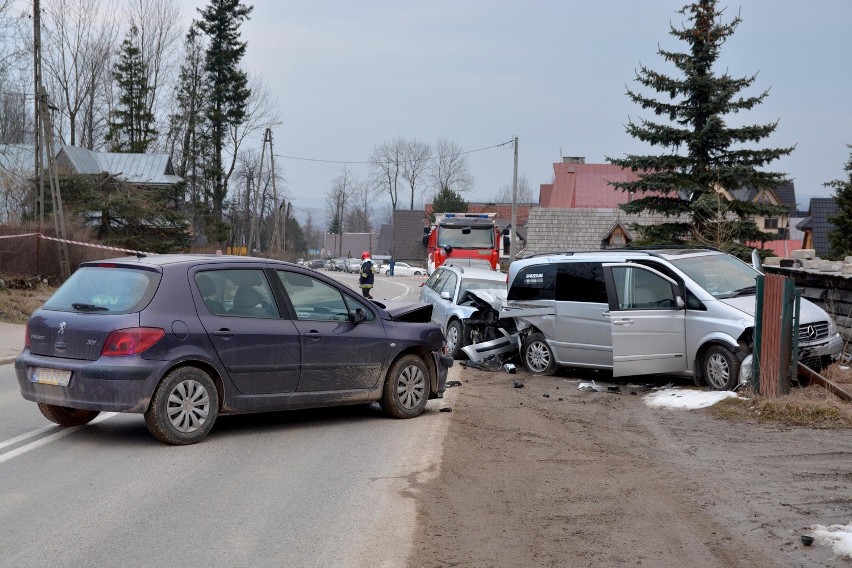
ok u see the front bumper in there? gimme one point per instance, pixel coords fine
(111, 384)
(831, 347)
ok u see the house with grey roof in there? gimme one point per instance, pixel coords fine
(557, 230)
(816, 225)
(138, 169)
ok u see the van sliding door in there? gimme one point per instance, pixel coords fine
(647, 321)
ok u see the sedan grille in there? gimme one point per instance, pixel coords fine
(810, 332)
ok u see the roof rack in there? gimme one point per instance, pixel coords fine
(647, 249)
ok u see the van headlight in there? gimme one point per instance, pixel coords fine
(832, 327)
(745, 370)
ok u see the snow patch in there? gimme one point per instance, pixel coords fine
(683, 398)
(839, 537)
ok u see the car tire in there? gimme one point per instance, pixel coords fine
(720, 368)
(537, 355)
(184, 407)
(418, 273)
(65, 416)
(455, 339)
(406, 389)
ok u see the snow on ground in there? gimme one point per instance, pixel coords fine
(839, 537)
(686, 398)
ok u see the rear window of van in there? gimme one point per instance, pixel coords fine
(534, 283)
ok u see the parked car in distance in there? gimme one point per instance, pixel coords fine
(678, 311)
(405, 269)
(339, 264)
(353, 265)
(316, 263)
(447, 290)
(329, 264)
(184, 338)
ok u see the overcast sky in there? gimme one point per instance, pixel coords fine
(351, 75)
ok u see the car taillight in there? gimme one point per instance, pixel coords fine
(131, 341)
(27, 335)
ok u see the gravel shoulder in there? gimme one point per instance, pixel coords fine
(581, 478)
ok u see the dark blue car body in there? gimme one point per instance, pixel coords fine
(268, 335)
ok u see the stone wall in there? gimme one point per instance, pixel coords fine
(826, 283)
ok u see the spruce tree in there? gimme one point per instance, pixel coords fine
(448, 200)
(131, 123)
(228, 85)
(189, 131)
(704, 155)
(841, 236)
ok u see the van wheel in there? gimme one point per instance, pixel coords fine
(184, 407)
(65, 416)
(537, 356)
(721, 368)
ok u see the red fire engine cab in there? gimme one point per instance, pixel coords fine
(459, 236)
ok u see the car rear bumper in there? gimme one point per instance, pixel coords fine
(114, 384)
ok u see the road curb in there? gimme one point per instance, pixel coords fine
(7, 360)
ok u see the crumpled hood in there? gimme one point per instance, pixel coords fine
(419, 312)
(808, 311)
(494, 298)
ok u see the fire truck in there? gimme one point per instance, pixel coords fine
(462, 236)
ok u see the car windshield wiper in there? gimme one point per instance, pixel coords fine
(89, 308)
(747, 291)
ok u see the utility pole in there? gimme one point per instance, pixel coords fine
(38, 194)
(512, 245)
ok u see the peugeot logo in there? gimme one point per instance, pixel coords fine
(62, 325)
(811, 331)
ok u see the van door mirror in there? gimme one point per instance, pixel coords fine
(445, 295)
(755, 261)
(680, 303)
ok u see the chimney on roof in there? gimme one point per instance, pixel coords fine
(573, 159)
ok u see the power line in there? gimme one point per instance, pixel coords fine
(370, 162)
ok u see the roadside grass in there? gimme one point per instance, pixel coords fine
(16, 304)
(810, 406)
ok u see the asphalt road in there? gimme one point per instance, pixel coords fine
(309, 488)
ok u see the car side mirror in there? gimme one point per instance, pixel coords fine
(360, 316)
(445, 295)
(679, 303)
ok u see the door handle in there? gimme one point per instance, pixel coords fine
(622, 322)
(313, 335)
(225, 333)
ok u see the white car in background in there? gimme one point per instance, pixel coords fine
(405, 269)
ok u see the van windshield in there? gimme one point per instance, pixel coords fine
(722, 275)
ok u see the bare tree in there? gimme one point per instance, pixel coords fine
(358, 217)
(525, 194)
(338, 197)
(261, 111)
(159, 25)
(15, 77)
(78, 42)
(450, 171)
(386, 169)
(416, 160)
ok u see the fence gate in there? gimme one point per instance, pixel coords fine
(776, 337)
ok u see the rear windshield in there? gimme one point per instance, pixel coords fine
(110, 290)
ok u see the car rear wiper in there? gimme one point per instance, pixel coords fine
(89, 308)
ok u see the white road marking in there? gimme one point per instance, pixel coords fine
(47, 439)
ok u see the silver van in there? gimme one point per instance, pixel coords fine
(638, 312)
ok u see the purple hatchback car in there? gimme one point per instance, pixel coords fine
(184, 338)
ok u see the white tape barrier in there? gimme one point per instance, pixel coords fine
(131, 251)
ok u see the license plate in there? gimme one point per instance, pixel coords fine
(57, 377)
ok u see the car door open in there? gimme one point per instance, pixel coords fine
(647, 321)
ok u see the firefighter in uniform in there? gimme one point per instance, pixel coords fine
(366, 277)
